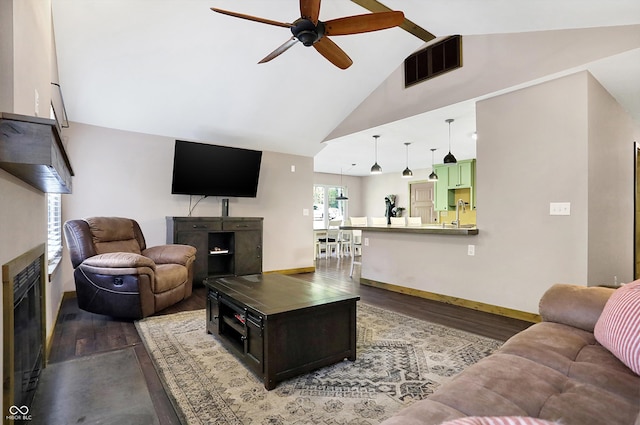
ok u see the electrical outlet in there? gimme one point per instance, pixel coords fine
(293, 168)
(305, 211)
(471, 250)
(560, 208)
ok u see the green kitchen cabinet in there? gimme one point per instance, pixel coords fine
(443, 196)
(462, 174)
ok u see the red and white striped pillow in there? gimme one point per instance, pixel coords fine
(498, 420)
(618, 328)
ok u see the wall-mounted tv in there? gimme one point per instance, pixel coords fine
(211, 170)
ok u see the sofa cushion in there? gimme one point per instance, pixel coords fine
(573, 305)
(498, 420)
(618, 328)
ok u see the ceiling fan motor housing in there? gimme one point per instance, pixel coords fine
(307, 32)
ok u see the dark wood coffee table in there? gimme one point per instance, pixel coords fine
(280, 326)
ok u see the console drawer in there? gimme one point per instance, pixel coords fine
(242, 225)
(199, 225)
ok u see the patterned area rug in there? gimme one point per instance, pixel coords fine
(399, 360)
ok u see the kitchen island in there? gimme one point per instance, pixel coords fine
(434, 262)
(433, 229)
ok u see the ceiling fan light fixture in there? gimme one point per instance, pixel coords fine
(376, 168)
(310, 31)
(449, 158)
(407, 173)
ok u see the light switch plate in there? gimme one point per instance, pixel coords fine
(560, 208)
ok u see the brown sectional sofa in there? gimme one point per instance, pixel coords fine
(554, 370)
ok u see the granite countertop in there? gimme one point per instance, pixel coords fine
(436, 229)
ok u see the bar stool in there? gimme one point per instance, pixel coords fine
(356, 241)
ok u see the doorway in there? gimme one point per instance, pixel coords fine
(421, 205)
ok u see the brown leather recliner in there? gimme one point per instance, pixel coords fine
(117, 275)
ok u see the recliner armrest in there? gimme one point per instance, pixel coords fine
(120, 260)
(574, 305)
(171, 254)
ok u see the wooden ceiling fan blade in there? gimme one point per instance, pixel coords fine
(310, 9)
(407, 25)
(363, 23)
(333, 53)
(280, 50)
(252, 18)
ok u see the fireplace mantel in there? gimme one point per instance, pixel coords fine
(31, 149)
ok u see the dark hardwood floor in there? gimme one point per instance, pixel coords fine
(78, 333)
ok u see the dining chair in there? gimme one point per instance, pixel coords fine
(345, 239)
(356, 247)
(356, 241)
(331, 240)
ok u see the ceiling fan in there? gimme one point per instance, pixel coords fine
(310, 31)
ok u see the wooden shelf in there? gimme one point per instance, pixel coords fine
(31, 149)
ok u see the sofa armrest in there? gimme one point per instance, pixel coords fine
(574, 305)
(171, 254)
(119, 260)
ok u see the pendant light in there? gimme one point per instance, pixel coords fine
(433, 177)
(407, 173)
(449, 158)
(376, 168)
(341, 197)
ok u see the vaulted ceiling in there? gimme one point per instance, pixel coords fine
(175, 68)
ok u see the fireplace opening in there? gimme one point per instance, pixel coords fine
(24, 328)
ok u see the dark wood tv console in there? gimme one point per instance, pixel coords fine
(226, 246)
(280, 326)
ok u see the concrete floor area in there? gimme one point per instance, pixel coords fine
(100, 389)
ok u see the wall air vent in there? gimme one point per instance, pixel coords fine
(433, 60)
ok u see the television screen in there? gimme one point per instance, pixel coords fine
(211, 170)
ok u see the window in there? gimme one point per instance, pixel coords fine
(325, 205)
(54, 228)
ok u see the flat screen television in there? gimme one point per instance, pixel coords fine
(212, 170)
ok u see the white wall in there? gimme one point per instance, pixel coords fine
(26, 64)
(353, 190)
(549, 54)
(126, 174)
(366, 194)
(534, 147)
(376, 187)
(611, 186)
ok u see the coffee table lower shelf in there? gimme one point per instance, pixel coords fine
(305, 327)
